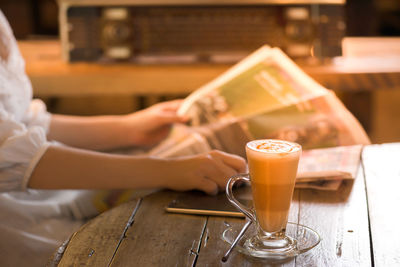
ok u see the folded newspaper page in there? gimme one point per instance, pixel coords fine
(266, 95)
(327, 168)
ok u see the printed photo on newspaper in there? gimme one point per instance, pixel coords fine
(266, 95)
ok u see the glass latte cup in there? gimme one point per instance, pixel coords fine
(272, 173)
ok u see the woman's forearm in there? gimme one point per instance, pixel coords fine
(97, 132)
(69, 168)
(143, 128)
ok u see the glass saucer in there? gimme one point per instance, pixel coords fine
(304, 238)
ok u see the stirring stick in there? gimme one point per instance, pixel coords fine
(226, 256)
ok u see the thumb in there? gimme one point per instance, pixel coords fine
(172, 117)
(208, 186)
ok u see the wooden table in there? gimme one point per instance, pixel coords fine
(358, 224)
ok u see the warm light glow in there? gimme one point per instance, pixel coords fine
(312, 53)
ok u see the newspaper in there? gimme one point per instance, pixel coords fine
(327, 168)
(266, 95)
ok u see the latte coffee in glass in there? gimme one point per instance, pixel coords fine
(273, 168)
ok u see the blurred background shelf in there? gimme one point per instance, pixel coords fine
(52, 77)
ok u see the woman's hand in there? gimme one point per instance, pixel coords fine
(208, 172)
(150, 126)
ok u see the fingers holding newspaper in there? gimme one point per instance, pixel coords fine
(208, 172)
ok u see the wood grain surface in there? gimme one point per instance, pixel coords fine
(157, 238)
(382, 175)
(95, 243)
(341, 219)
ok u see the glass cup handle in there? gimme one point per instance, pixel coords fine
(229, 193)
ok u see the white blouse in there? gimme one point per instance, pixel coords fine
(33, 223)
(23, 123)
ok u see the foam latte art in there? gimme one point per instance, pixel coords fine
(274, 146)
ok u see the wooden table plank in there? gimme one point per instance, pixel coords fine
(95, 242)
(158, 238)
(341, 219)
(213, 247)
(382, 175)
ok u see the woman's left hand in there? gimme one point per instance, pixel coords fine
(151, 125)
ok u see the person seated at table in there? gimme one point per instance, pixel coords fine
(43, 151)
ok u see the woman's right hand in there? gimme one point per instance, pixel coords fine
(208, 172)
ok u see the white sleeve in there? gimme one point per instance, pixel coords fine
(21, 147)
(37, 115)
